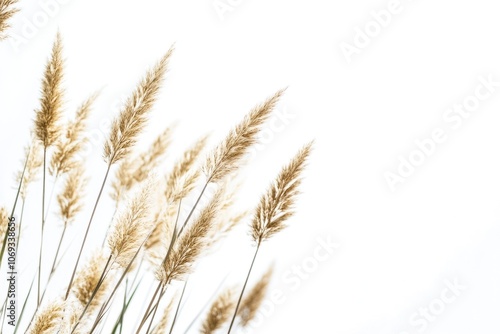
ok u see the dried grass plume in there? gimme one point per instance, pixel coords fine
(47, 119)
(220, 312)
(48, 319)
(191, 244)
(132, 119)
(7, 10)
(277, 204)
(131, 228)
(225, 157)
(253, 300)
(70, 200)
(86, 281)
(68, 146)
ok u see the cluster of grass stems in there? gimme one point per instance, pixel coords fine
(147, 232)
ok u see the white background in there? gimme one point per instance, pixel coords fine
(397, 248)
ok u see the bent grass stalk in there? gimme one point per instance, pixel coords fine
(274, 208)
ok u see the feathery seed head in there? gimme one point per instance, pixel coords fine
(6, 13)
(48, 116)
(48, 318)
(191, 244)
(225, 158)
(276, 205)
(131, 228)
(252, 302)
(220, 312)
(132, 119)
(69, 145)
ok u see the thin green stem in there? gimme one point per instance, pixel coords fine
(52, 191)
(87, 231)
(155, 309)
(117, 285)
(178, 307)
(20, 226)
(54, 263)
(194, 207)
(14, 206)
(24, 307)
(43, 227)
(243, 290)
(146, 314)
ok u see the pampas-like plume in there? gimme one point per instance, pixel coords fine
(132, 118)
(219, 313)
(87, 281)
(35, 160)
(48, 319)
(131, 228)
(68, 146)
(179, 183)
(70, 200)
(225, 157)
(135, 170)
(252, 302)
(191, 243)
(6, 12)
(47, 127)
(276, 205)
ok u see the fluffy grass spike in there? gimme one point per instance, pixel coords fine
(132, 119)
(226, 156)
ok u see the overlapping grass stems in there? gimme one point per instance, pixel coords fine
(147, 231)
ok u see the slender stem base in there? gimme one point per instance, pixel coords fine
(87, 231)
(243, 290)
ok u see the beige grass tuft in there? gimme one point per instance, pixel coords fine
(48, 319)
(253, 300)
(70, 200)
(47, 119)
(132, 119)
(6, 12)
(219, 313)
(86, 281)
(68, 146)
(277, 204)
(191, 244)
(131, 228)
(225, 158)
